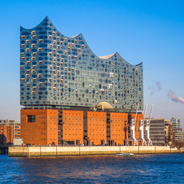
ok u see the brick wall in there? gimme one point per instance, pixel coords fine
(119, 127)
(96, 127)
(44, 130)
(73, 126)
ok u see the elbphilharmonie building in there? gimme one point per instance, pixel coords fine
(71, 95)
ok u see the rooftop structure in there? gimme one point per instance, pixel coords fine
(6, 122)
(57, 71)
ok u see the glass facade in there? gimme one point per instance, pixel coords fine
(56, 70)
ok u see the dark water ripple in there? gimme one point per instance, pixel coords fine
(96, 169)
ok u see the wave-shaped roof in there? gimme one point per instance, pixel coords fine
(46, 19)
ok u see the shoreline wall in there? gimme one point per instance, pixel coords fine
(87, 150)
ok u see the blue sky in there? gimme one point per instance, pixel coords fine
(141, 31)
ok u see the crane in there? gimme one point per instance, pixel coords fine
(148, 127)
(132, 127)
(141, 127)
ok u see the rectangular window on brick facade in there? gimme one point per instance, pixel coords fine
(31, 118)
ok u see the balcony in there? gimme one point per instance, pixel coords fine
(23, 46)
(40, 84)
(40, 62)
(39, 49)
(33, 32)
(40, 41)
(34, 80)
(33, 71)
(33, 59)
(27, 41)
(39, 75)
(23, 58)
(27, 50)
(27, 76)
(23, 80)
(34, 37)
(33, 92)
(23, 37)
(33, 45)
(28, 84)
(34, 88)
(34, 54)
(22, 67)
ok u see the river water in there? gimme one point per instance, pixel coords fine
(93, 169)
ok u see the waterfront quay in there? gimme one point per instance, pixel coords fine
(40, 151)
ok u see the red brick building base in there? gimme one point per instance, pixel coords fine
(53, 126)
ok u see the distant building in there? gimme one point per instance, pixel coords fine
(9, 129)
(6, 134)
(177, 129)
(157, 133)
(178, 134)
(169, 133)
(175, 122)
(17, 131)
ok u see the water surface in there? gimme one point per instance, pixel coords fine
(93, 169)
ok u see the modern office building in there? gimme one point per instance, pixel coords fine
(92, 95)
(157, 133)
(177, 129)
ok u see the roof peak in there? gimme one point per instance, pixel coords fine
(108, 56)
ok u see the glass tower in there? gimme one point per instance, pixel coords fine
(56, 70)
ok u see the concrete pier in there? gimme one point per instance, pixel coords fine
(87, 150)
